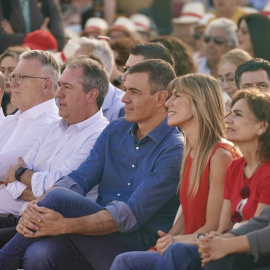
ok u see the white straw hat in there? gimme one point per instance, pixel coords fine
(190, 13)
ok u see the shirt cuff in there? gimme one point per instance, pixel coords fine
(122, 215)
(69, 183)
(15, 189)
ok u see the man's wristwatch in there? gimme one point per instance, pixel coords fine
(19, 172)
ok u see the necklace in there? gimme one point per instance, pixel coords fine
(237, 216)
(245, 190)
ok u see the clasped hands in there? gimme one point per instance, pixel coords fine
(40, 221)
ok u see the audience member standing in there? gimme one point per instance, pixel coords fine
(21, 17)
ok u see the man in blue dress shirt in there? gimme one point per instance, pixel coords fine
(135, 161)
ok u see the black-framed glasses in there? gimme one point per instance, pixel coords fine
(19, 78)
(217, 40)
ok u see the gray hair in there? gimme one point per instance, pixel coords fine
(101, 49)
(49, 65)
(94, 76)
(227, 25)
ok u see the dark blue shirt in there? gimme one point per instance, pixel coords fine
(137, 179)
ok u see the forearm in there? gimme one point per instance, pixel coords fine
(238, 244)
(100, 223)
(27, 195)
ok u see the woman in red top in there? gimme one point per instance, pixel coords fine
(247, 184)
(196, 106)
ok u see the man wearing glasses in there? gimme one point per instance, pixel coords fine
(33, 85)
(219, 38)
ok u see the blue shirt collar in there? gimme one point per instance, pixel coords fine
(155, 134)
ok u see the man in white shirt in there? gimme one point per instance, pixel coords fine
(66, 143)
(2, 89)
(34, 83)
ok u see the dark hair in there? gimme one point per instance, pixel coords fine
(160, 73)
(94, 76)
(254, 64)
(182, 54)
(259, 29)
(153, 51)
(123, 45)
(259, 104)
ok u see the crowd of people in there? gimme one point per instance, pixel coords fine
(134, 135)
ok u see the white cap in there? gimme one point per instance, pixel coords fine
(96, 24)
(142, 22)
(123, 23)
(206, 18)
(71, 46)
(190, 13)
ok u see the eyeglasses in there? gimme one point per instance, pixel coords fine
(198, 35)
(19, 78)
(217, 40)
(125, 68)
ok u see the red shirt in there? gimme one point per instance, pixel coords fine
(194, 210)
(259, 185)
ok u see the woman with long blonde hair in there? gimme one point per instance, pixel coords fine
(196, 106)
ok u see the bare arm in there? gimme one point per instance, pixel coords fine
(225, 217)
(218, 166)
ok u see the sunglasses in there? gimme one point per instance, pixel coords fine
(217, 40)
(198, 35)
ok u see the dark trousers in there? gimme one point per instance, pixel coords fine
(7, 228)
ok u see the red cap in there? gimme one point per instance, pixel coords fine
(40, 40)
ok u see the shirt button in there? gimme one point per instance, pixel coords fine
(132, 165)
(118, 194)
(137, 147)
(128, 184)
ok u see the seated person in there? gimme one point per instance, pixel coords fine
(135, 161)
(247, 186)
(202, 183)
(66, 143)
(34, 83)
(244, 248)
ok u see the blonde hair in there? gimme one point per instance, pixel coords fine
(235, 56)
(209, 111)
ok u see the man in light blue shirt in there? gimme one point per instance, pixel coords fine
(136, 162)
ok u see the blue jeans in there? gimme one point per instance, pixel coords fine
(98, 251)
(135, 260)
(177, 256)
(241, 261)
